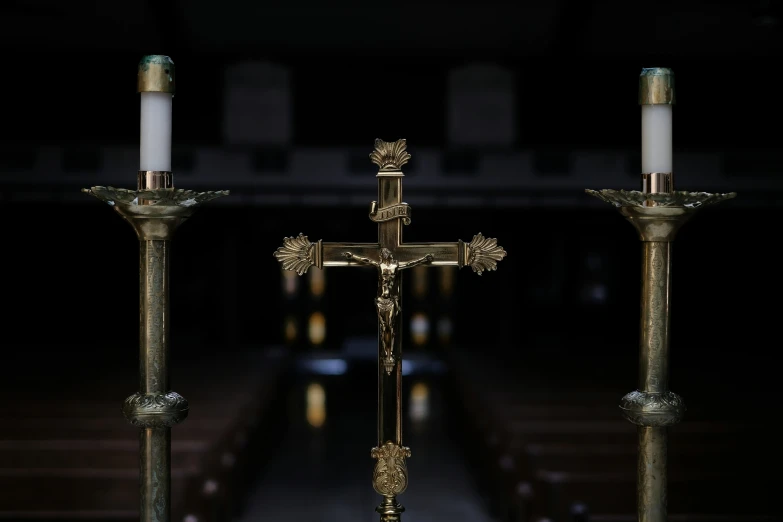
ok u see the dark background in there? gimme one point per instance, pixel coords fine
(357, 73)
(339, 76)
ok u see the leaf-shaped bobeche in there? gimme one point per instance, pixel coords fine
(158, 197)
(635, 198)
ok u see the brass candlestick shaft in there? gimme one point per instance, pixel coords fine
(654, 381)
(657, 217)
(154, 409)
(389, 256)
(155, 441)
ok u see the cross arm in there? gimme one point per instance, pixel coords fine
(481, 254)
(443, 254)
(299, 253)
(333, 254)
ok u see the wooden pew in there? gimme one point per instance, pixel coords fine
(584, 448)
(614, 493)
(580, 513)
(519, 424)
(585, 438)
(75, 459)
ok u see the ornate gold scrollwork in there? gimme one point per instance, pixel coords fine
(296, 254)
(484, 253)
(390, 477)
(390, 156)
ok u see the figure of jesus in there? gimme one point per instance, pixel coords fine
(388, 302)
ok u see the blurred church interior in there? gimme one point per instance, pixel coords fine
(511, 381)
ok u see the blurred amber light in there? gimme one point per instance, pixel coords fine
(316, 405)
(316, 328)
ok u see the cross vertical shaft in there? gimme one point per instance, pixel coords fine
(390, 385)
(390, 257)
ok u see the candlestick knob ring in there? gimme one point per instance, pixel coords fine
(155, 410)
(653, 409)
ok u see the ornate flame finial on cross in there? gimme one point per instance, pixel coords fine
(390, 157)
(389, 256)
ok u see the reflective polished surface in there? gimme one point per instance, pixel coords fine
(320, 472)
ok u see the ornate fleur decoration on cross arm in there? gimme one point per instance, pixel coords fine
(159, 197)
(484, 253)
(390, 156)
(296, 254)
(635, 198)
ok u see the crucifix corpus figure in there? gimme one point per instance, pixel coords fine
(388, 301)
(390, 256)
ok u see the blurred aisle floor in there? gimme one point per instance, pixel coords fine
(322, 471)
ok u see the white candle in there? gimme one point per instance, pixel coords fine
(656, 96)
(155, 139)
(656, 138)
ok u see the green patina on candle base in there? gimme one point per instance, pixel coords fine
(157, 59)
(156, 74)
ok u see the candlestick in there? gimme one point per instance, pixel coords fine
(656, 96)
(657, 213)
(154, 210)
(156, 88)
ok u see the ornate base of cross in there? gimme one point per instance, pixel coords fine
(390, 478)
(390, 510)
(390, 256)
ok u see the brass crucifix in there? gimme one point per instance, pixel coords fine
(390, 256)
